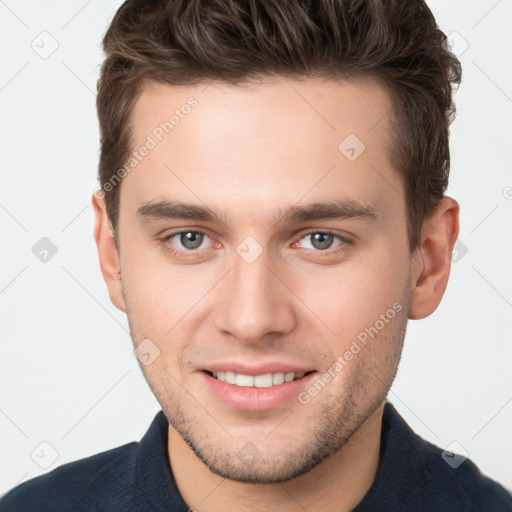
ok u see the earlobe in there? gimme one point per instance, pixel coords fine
(432, 259)
(107, 252)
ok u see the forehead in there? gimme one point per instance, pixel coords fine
(322, 107)
(257, 144)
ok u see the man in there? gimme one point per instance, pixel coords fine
(271, 213)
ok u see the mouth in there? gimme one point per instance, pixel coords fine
(266, 380)
(258, 392)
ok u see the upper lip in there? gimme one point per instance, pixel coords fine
(258, 369)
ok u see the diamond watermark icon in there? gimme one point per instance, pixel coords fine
(44, 455)
(249, 249)
(45, 45)
(455, 44)
(44, 250)
(351, 147)
(460, 249)
(454, 454)
(147, 352)
(249, 454)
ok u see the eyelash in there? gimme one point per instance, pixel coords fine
(178, 252)
(342, 247)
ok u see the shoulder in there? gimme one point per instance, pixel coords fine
(417, 475)
(106, 477)
(454, 483)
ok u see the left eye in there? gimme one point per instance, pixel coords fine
(320, 240)
(190, 240)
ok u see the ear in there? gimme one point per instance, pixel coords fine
(432, 259)
(107, 251)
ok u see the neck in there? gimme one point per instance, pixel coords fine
(344, 478)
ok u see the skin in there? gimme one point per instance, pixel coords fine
(248, 152)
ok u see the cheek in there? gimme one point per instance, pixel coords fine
(148, 288)
(353, 296)
(161, 296)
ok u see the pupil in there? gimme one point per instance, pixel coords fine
(322, 240)
(191, 239)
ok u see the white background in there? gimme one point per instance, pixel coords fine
(68, 376)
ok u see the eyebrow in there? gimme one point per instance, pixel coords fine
(155, 210)
(342, 209)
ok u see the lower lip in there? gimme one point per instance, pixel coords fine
(256, 399)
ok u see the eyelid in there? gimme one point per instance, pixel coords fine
(342, 246)
(180, 231)
(186, 230)
(346, 238)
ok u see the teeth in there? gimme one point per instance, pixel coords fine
(244, 380)
(230, 377)
(288, 377)
(259, 381)
(263, 381)
(277, 378)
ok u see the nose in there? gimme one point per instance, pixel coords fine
(255, 303)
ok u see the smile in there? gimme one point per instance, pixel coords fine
(265, 380)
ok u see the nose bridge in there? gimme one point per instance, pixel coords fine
(254, 303)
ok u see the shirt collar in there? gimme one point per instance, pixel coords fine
(397, 485)
(156, 488)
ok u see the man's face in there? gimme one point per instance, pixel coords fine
(257, 289)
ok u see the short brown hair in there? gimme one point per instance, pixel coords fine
(185, 42)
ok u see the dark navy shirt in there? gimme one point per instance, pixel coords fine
(412, 476)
